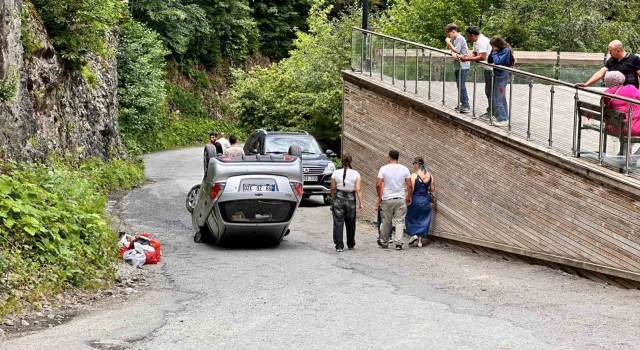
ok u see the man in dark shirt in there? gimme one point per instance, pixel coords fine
(214, 141)
(621, 61)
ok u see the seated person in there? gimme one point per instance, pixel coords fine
(233, 150)
(614, 81)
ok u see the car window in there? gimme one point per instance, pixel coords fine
(281, 144)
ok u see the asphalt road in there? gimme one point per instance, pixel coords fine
(304, 295)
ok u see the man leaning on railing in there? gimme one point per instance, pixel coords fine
(620, 60)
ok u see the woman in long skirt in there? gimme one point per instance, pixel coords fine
(418, 217)
(345, 185)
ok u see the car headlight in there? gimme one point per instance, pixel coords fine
(329, 169)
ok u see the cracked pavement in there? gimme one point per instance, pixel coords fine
(303, 294)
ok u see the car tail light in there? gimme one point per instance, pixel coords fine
(297, 188)
(288, 158)
(216, 190)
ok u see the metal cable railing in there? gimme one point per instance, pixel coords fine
(424, 66)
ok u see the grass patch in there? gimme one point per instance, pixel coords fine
(54, 233)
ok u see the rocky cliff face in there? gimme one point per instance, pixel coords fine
(44, 107)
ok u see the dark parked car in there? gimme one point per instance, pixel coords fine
(317, 166)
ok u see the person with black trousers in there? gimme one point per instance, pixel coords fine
(345, 185)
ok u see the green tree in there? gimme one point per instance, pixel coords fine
(303, 91)
(423, 21)
(141, 85)
(278, 21)
(80, 27)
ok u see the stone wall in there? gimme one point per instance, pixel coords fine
(53, 109)
(492, 192)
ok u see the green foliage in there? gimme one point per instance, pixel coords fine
(204, 30)
(9, 84)
(184, 131)
(187, 102)
(141, 80)
(278, 22)
(423, 21)
(53, 229)
(566, 25)
(80, 27)
(30, 42)
(303, 91)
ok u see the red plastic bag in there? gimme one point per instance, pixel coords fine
(153, 255)
(145, 242)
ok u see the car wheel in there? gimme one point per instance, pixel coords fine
(209, 152)
(203, 235)
(326, 199)
(192, 197)
(295, 150)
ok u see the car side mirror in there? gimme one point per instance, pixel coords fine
(330, 153)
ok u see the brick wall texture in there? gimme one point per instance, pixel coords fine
(491, 194)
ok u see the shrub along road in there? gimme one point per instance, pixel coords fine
(305, 295)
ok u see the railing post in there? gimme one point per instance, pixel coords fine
(371, 55)
(444, 77)
(405, 69)
(473, 109)
(574, 151)
(510, 99)
(351, 52)
(601, 134)
(382, 62)
(459, 85)
(491, 100)
(553, 91)
(362, 39)
(393, 63)
(629, 117)
(417, 69)
(429, 84)
(529, 110)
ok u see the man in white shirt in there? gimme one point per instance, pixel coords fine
(223, 141)
(233, 150)
(394, 194)
(481, 50)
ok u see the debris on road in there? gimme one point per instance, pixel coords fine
(140, 249)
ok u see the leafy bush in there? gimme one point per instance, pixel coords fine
(184, 131)
(53, 229)
(9, 84)
(141, 80)
(303, 91)
(204, 30)
(80, 27)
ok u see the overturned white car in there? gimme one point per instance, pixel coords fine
(246, 197)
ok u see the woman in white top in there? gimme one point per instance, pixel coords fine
(345, 184)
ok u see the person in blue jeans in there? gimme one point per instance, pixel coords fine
(501, 55)
(459, 48)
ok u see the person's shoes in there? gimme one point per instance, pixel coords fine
(413, 240)
(501, 123)
(390, 240)
(419, 244)
(464, 109)
(383, 245)
(398, 247)
(339, 250)
(350, 248)
(484, 116)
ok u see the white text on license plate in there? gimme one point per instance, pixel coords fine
(310, 178)
(252, 187)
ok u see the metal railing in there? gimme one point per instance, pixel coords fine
(423, 66)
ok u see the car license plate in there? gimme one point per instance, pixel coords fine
(311, 178)
(258, 185)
